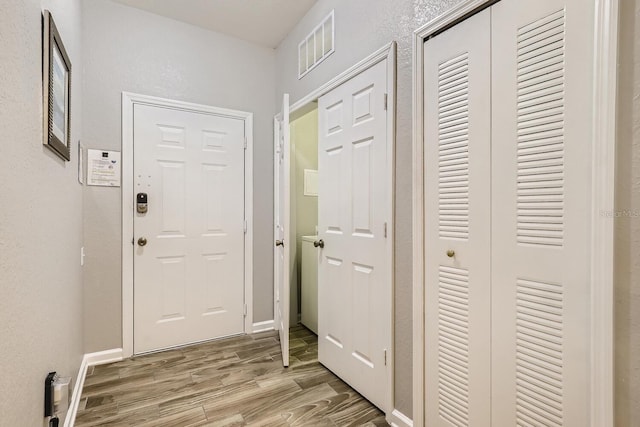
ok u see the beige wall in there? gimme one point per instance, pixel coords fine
(627, 246)
(40, 217)
(126, 49)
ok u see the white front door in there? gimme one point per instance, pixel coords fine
(354, 289)
(189, 245)
(281, 229)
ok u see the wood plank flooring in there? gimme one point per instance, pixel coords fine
(231, 382)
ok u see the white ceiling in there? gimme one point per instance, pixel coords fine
(263, 22)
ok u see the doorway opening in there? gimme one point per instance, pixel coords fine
(304, 220)
(333, 228)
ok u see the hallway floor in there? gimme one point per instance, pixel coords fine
(231, 382)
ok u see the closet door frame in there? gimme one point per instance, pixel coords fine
(605, 50)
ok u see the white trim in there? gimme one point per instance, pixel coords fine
(603, 184)
(391, 218)
(128, 102)
(604, 139)
(104, 357)
(248, 217)
(377, 56)
(398, 419)
(70, 418)
(267, 325)
(89, 359)
(387, 52)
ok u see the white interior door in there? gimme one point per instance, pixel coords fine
(541, 162)
(282, 221)
(457, 85)
(189, 256)
(354, 290)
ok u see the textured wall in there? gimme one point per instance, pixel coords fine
(363, 26)
(130, 50)
(40, 217)
(627, 246)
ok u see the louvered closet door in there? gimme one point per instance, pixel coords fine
(541, 160)
(457, 205)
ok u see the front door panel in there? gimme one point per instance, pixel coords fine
(189, 276)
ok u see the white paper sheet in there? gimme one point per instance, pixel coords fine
(103, 168)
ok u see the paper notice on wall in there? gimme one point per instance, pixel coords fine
(103, 168)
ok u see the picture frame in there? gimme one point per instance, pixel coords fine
(56, 89)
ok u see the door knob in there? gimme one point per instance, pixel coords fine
(280, 243)
(319, 243)
(451, 253)
(142, 241)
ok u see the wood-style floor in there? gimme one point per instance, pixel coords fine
(231, 382)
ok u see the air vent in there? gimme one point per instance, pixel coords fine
(317, 46)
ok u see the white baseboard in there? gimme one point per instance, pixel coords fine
(267, 325)
(89, 359)
(103, 357)
(70, 419)
(398, 419)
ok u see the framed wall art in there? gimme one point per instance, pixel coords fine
(56, 89)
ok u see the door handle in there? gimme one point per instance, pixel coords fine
(319, 243)
(280, 243)
(142, 241)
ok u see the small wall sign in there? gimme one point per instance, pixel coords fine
(103, 168)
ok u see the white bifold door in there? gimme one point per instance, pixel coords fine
(189, 244)
(282, 194)
(508, 98)
(354, 287)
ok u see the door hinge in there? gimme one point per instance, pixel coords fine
(385, 230)
(244, 310)
(386, 98)
(245, 142)
(385, 357)
(245, 227)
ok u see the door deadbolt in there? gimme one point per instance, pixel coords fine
(319, 243)
(280, 243)
(142, 241)
(142, 203)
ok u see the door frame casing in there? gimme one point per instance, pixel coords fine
(602, 201)
(129, 100)
(387, 52)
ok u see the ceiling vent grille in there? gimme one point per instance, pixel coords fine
(317, 46)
